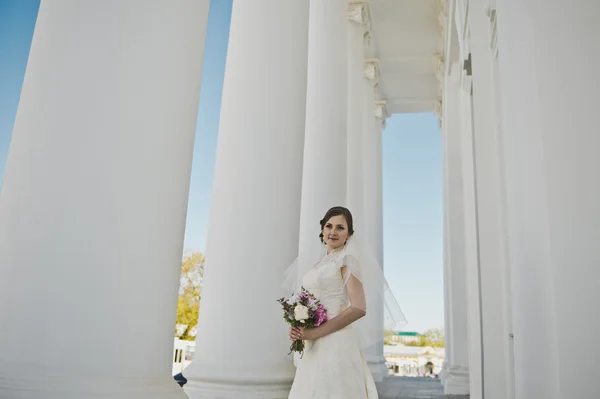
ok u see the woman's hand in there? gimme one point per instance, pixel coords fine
(301, 333)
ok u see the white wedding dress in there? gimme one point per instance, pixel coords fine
(333, 366)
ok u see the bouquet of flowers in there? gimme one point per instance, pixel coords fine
(302, 309)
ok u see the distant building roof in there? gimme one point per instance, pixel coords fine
(408, 334)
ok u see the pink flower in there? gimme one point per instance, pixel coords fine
(321, 315)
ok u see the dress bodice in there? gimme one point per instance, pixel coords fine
(325, 281)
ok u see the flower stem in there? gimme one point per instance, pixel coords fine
(297, 346)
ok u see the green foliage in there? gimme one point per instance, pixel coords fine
(433, 337)
(190, 290)
(387, 337)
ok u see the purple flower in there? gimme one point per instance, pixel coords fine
(321, 316)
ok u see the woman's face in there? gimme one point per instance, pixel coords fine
(335, 232)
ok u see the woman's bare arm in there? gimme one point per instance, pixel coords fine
(355, 311)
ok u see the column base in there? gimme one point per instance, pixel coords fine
(442, 374)
(378, 369)
(455, 380)
(219, 381)
(30, 384)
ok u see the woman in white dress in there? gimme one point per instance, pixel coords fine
(346, 283)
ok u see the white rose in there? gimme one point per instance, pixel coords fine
(300, 313)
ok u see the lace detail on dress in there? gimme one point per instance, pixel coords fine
(326, 283)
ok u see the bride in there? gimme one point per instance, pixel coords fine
(348, 281)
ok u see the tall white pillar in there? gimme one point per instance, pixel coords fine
(472, 269)
(93, 205)
(456, 365)
(381, 114)
(446, 255)
(354, 114)
(549, 113)
(324, 170)
(491, 229)
(361, 135)
(242, 343)
(377, 363)
(373, 230)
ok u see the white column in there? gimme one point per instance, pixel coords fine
(361, 135)
(355, 101)
(379, 128)
(474, 316)
(373, 202)
(549, 113)
(490, 193)
(446, 256)
(456, 365)
(242, 343)
(92, 210)
(381, 114)
(377, 363)
(446, 233)
(324, 170)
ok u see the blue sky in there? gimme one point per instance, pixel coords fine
(412, 165)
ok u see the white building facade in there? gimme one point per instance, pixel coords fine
(95, 190)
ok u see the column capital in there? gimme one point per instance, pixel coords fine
(493, 16)
(372, 69)
(442, 19)
(381, 111)
(440, 74)
(440, 71)
(440, 67)
(357, 12)
(437, 109)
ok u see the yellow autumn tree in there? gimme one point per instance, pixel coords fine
(190, 291)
